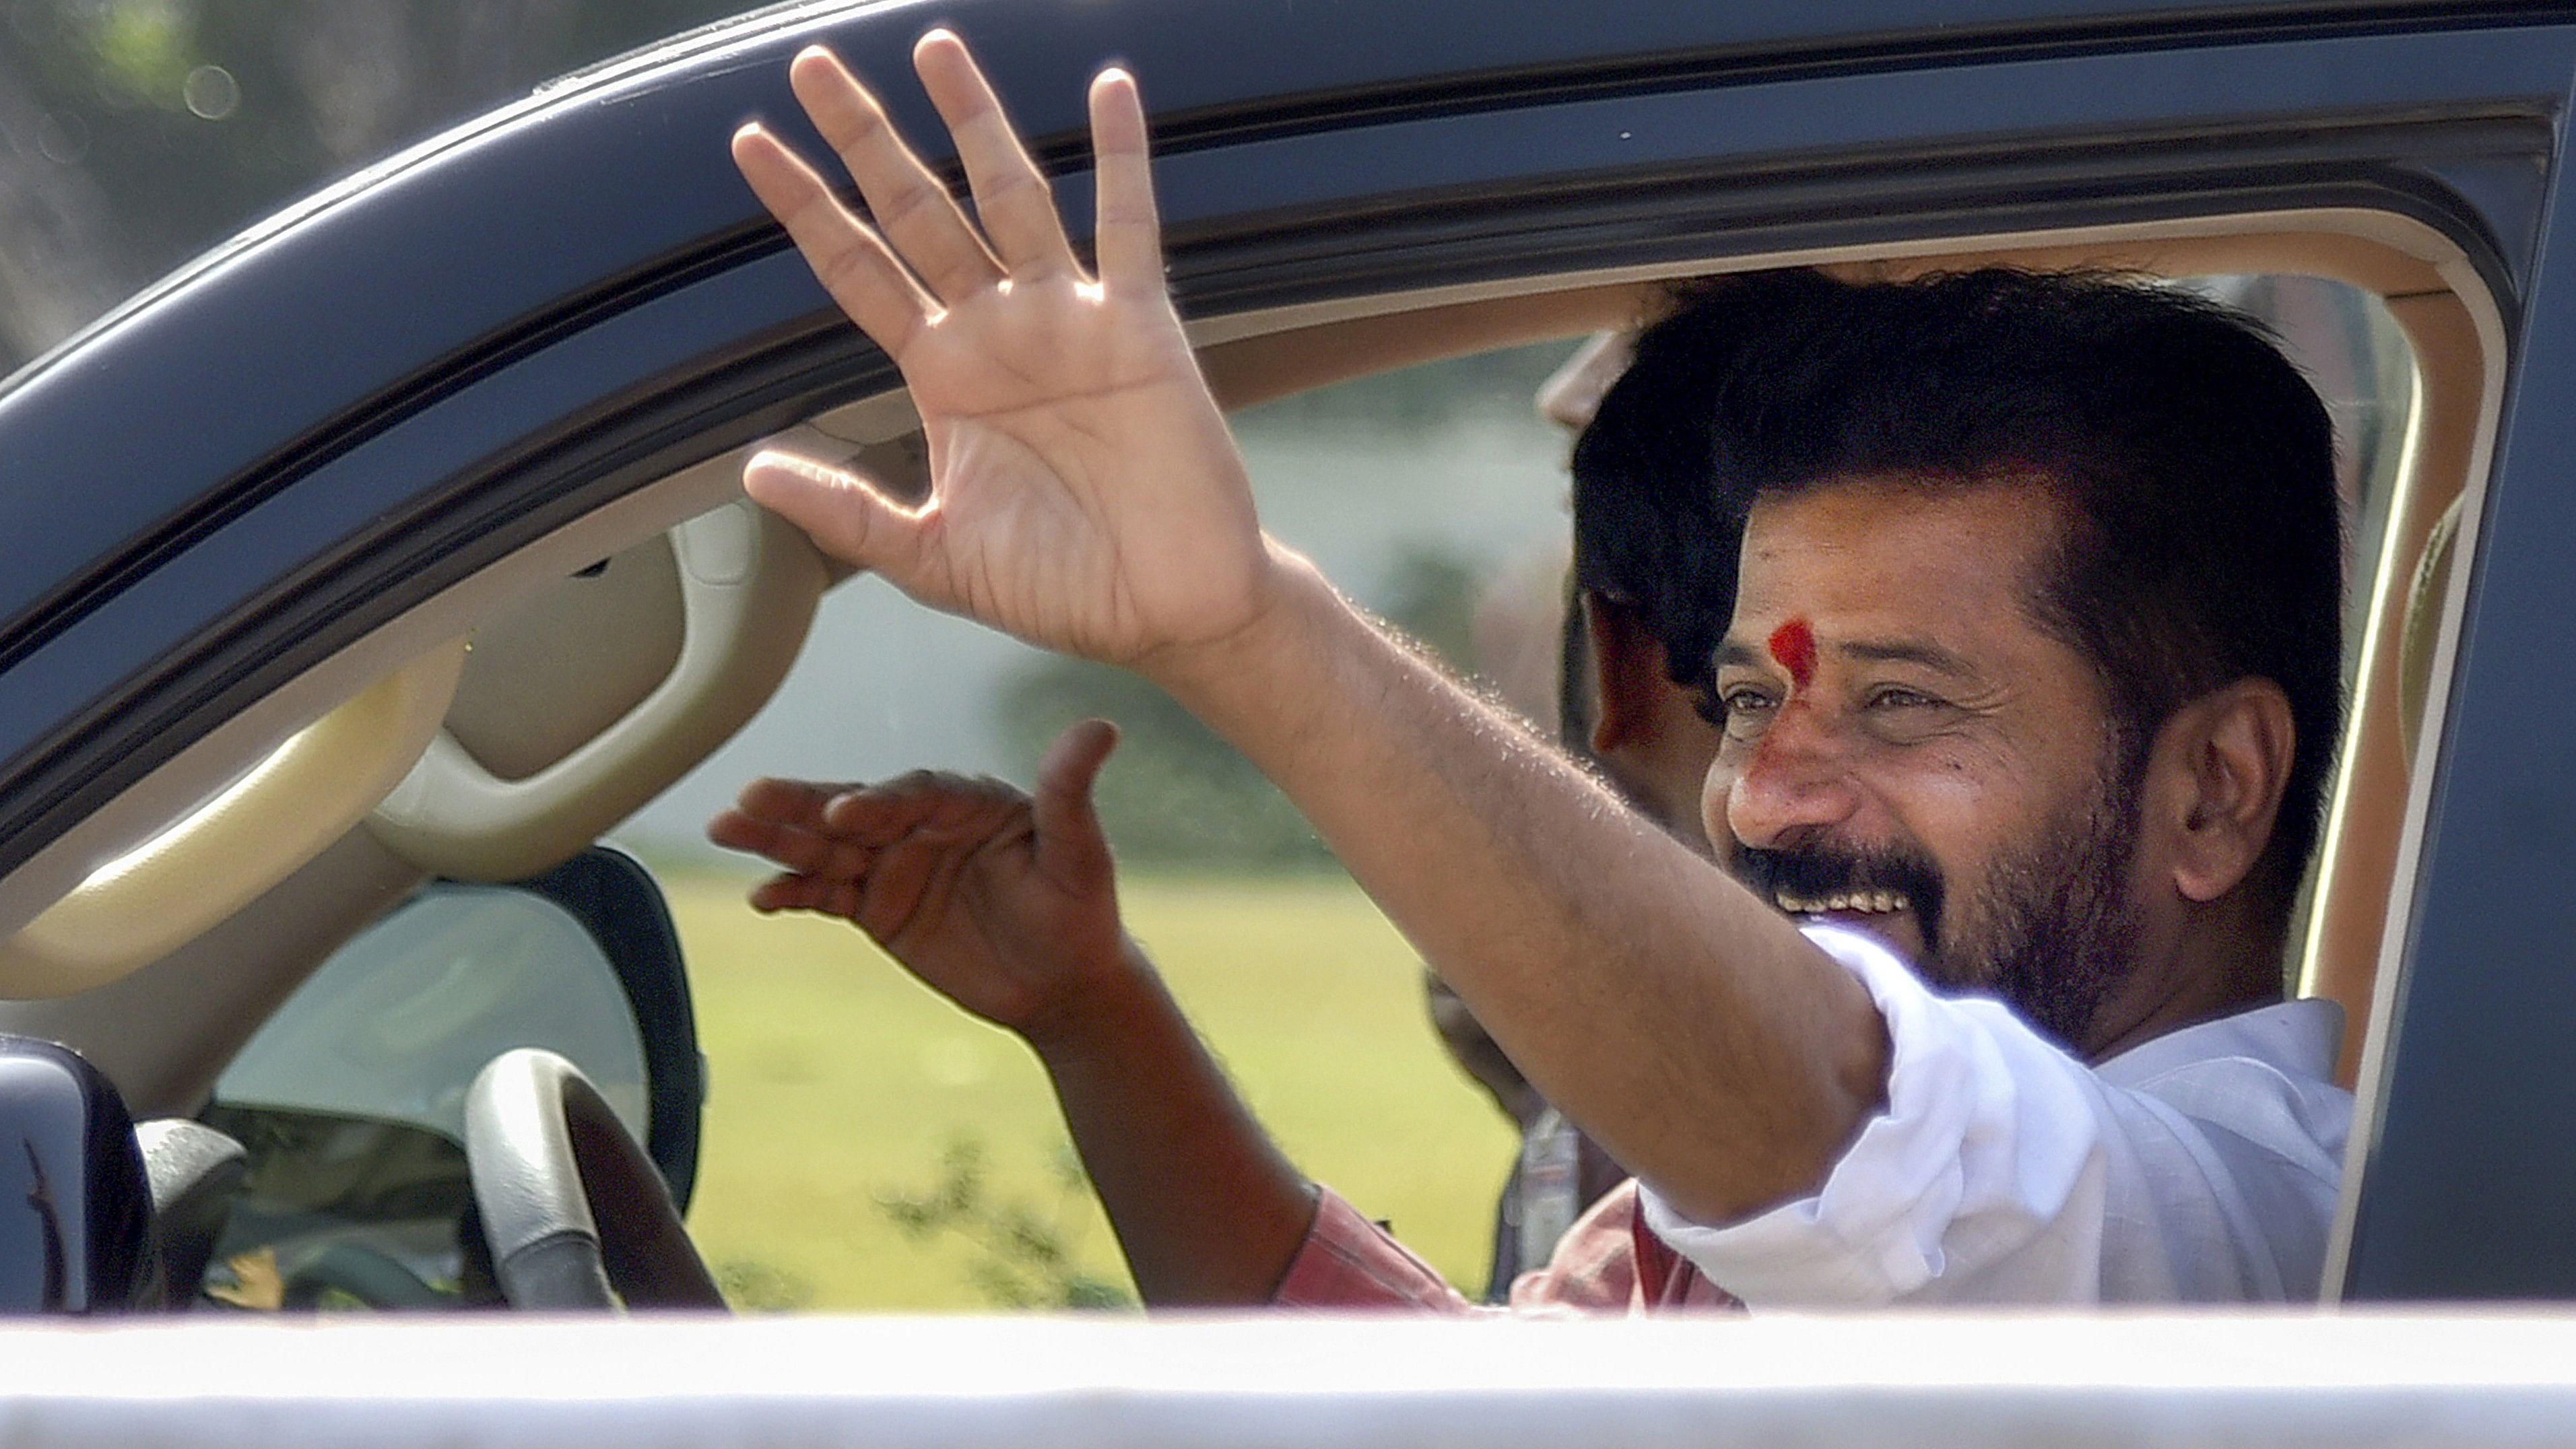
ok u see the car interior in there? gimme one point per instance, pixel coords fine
(472, 741)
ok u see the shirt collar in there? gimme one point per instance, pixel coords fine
(2298, 1037)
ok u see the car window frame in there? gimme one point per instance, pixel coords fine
(92, 720)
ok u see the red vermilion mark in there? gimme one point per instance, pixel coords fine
(1794, 645)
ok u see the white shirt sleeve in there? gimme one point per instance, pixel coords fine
(2005, 1171)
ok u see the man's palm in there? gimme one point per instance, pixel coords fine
(1085, 494)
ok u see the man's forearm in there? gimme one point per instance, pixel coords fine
(1685, 1024)
(1207, 1211)
(1090, 499)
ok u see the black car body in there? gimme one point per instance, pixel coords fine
(265, 482)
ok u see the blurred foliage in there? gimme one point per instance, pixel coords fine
(1026, 1260)
(141, 51)
(1175, 794)
(753, 1286)
(838, 1076)
(1431, 596)
(135, 134)
(1414, 399)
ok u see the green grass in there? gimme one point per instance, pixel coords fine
(836, 1078)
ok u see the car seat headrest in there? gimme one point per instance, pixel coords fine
(195, 1172)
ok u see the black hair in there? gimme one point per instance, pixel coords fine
(1655, 526)
(2196, 465)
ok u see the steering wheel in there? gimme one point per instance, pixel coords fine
(577, 1216)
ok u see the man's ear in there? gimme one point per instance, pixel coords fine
(2222, 762)
(1627, 674)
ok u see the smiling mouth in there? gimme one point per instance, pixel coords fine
(1865, 903)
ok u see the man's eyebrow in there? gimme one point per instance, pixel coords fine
(1909, 651)
(1736, 651)
(1875, 651)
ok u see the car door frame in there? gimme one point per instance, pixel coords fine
(434, 454)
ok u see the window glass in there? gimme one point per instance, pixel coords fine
(142, 132)
(2356, 356)
(868, 1146)
(841, 1091)
(396, 1024)
(351, 1099)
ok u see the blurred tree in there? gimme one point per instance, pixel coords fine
(1026, 1257)
(54, 272)
(1176, 794)
(135, 134)
(1416, 399)
(1431, 596)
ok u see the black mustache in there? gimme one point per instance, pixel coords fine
(1816, 871)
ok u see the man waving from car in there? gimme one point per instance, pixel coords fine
(2013, 701)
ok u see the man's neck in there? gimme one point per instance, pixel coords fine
(2225, 958)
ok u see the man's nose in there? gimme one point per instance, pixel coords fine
(1796, 778)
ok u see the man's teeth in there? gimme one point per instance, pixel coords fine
(1868, 903)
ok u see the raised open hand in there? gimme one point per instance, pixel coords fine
(1005, 903)
(1085, 494)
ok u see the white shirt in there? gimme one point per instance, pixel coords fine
(2201, 1166)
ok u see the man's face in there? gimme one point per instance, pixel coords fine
(1659, 767)
(1906, 750)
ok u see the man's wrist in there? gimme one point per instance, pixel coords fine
(1120, 1005)
(1292, 592)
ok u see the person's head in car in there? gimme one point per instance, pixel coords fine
(2031, 662)
(1623, 702)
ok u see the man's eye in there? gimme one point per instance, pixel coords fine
(1745, 712)
(1900, 716)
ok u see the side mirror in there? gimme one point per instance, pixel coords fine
(75, 1210)
(351, 1099)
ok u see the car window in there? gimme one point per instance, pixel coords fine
(351, 1098)
(844, 1097)
(2356, 356)
(868, 1146)
(398, 1022)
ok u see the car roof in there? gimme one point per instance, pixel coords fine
(398, 273)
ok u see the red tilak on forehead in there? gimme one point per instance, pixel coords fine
(1794, 645)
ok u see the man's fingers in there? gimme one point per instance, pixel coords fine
(1071, 847)
(1128, 238)
(910, 206)
(788, 802)
(792, 892)
(891, 897)
(1012, 198)
(803, 851)
(841, 512)
(880, 815)
(735, 830)
(850, 260)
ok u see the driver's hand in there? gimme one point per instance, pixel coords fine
(1005, 903)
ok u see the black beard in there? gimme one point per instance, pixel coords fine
(2059, 928)
(2051, 928)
